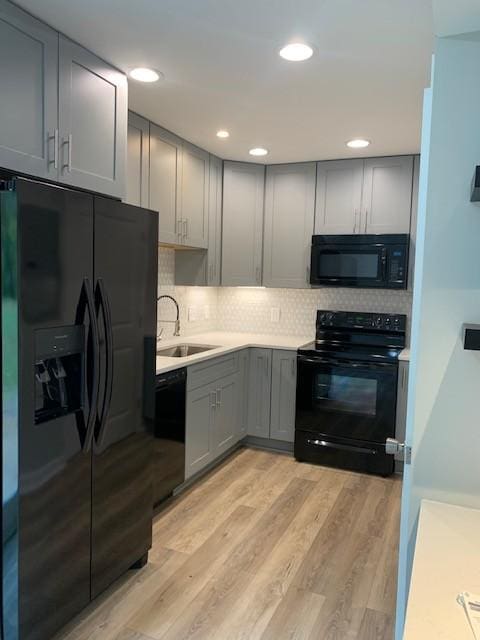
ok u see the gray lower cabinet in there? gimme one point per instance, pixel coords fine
(242, 232)
(200, 425)
(402, 395)
(29, 74)
(243, 380)
(284, 388)
(92, 121)
(138, 143)
(289, 215)
(259, 392)
(164, 182)
(225, 423)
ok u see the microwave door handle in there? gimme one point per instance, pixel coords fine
(384, 264)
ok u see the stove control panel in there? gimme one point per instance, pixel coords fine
(366, 321)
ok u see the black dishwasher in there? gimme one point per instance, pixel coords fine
(169, 442)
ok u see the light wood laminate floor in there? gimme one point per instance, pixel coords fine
(262, 548)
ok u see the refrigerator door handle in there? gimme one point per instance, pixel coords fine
(103, 301)
(86, 296)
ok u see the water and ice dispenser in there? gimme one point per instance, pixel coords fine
(59, 372)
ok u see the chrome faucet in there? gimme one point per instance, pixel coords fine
(177, 321)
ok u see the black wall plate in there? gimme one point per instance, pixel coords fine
(475, 195)
(471, 337)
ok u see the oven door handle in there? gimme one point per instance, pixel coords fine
(342, 447)
(346, 364)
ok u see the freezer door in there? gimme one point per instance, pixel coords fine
(125, 293)
(55, 396)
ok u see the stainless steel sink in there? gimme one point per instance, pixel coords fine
(183, 350)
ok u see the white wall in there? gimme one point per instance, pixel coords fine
(443, 419)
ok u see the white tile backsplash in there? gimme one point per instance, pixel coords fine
(264, 311)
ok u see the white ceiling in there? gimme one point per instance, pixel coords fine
(222, 69)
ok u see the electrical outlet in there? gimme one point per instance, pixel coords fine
(206, 312)
(192, 314)
(275, 314)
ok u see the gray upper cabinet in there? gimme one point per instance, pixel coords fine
(259, 391)
(137, 160)
(387, 194)
(92, 121)
(339, 197)
(192, 208)
(289, 215)
(215, 221)
(165, 176)
(284, 385)
(243, 191)
(28, 113)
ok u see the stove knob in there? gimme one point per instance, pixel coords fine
(388, 321)
(378, 321)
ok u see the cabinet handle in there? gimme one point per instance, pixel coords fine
(257, 275)
(179, 228)
(266, 366)
(293, 368)
(213, 397)
(55, 149)
(354, 220)
(68, 141)
(218, 393)
(366, 219)
(185, 228)
(308, 274)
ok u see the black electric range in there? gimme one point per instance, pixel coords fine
(347, 390)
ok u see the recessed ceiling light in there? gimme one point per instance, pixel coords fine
(296, 52)
(142, 74)
(223, 134)
(258, 151)
(358, 143)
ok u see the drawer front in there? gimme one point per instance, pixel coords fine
(206, 372)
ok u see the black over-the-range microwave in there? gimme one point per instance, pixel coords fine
(367, 261)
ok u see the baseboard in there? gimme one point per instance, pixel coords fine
(279, 446)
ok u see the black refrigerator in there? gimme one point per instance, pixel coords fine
(78, 303)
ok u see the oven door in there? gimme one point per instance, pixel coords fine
(353, 401)
(345, 265)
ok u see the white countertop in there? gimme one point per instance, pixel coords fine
(224, 343)
(404, 355)
(446, 562)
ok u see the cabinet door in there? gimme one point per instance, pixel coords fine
(242, 396)
(339, 196)
(402, 394)
(243, 187)
(387, 195)
(200, 418)
(92, 121)
(284, 389)
(215, 222)
(193, 206)
(137, 160)
(226, 416)
(289, 213)
(259, 389)
(29, 76)
(165, 173)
